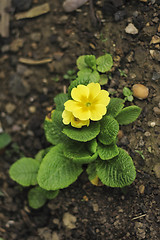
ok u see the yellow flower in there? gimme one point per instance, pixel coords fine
(68, 118)
(89, 102)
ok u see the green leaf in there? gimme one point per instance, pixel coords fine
(104, 63)
(109, 130)
(130, 98)
(92, 146)
(128, 115)
(59, 100)
(52, 194)
(5, 139)
(24, 171)
(103, 79)
(91, 170)
(78, 153)
(81, 64)
(127, 92)
(40, 155)
(90, 60)
(83, 134)
(36, 197)
(117, 172)
(85, 76)
(115, 106)
(56, 171)
(53, 128)
(107, 152)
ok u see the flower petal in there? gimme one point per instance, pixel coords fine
(80, 93)
(83, 113)
(72, 105)
(78, 123)
(102, 98)
(67, 117)
(97, 112)
(94, 90)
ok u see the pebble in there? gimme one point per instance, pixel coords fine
(2, 75)
(16, 44)
(155, 54)
(151, 124)
(119, 15)
(156, 170)
(69, 220)
(140, 91)
(32, 109)
(147, 134)
(36, 36)
(140, 230)
(156, 110)
(131, 29)
(156, 76)
(141, 189)
(95, 207)
(21, 5)
(10, 107)
(18, 86)
(72, 5)
(55, 236)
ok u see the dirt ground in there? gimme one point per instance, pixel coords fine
(81, 211)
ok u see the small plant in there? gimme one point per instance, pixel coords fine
(83, 132)
(5, 139)
(122, 73)
(70, 75)
(128, 94)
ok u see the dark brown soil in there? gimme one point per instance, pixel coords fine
(26, 96)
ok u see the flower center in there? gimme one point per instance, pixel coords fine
(88, 104)
(76, 119)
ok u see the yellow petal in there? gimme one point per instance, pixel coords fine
(78, 123)
(72, 105)
(102, 98)
(83, 113)
(94, 90)
(80, 93)
(67, 117)
(97, 112)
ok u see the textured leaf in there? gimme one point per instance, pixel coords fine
(40, 155)
(107, 152)
(5, 139)
(24, 171)
(92, 146)
(83, 134)
(128, 115)
(59, 100)
(51, 194)
(36, 197)
(104, 63)
(117, 172)
(53, 128)
(81, 64)
(91, 170)
(90, 60)
(56, 171)
(127, 92)
(115, 106)
(78, 153)
(109, 130)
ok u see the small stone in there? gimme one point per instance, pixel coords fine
(36, 36)
(156, 110)
(56, 221)
(70, 5)
(155, 20)
(140, 230)
(18, 86)
(147, 134)
(156, 76)
(141, 189)
(140, 91)
(95, 207)
(10, 107)
(16, 44)
(32, 109)
(155, 54)
(155, 39)
(131, 29)
(69, 220)
(2, 75)
(151, 124)
(156, 169)
(5, 48)
(55, 236)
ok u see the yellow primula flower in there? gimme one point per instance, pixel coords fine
(89, 102)
(68, 118)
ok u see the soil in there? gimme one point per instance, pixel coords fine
(26, 96)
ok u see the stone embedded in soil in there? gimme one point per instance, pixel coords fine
(156, 110)
(72, 5)
(21, 5)
(156, 76)
(140, 91)
(155, 55)
(140, 229)
(131, 29)
(10, 107)
(16, 44)
(156, 170)
(18, 86)
(36, 36)
(69, 220)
